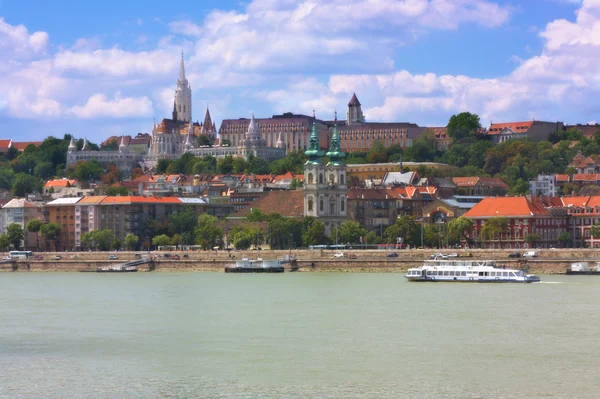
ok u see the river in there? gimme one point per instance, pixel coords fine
(295, 335)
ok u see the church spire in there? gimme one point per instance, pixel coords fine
(314, 153)
(335, 154)
(72, 145)
(181, 69)
(122, 146)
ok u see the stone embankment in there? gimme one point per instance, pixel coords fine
(548, 261)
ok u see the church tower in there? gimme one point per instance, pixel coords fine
(354, 114)
(314, 176)
(182, 109)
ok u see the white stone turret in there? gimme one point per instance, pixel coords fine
(253, 132)
(280, 143)
(122, 146)
(72, 145)
(85, 145)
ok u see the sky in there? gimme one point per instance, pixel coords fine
(101, 68)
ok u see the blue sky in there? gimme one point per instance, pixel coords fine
(106, 68)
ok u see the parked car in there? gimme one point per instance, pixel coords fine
(514, 255)
(113, 257)
(38, 257)
(56, 257)
(7, 257)
(452, 255)
(438, 256)
(185, 256)
(166, 256)
(465, 255)
(392, 255)
(176, 257)
(338, 255)
(530, 254)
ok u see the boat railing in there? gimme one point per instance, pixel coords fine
(459, 263)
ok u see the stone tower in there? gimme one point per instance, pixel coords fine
(314, 175)
(182, 110)
(354, 114)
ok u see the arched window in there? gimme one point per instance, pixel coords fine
(331, 178)
(310, 178)
(320, 178)
(341, 179)
(342, 206)
(310, 204)
(321, 205)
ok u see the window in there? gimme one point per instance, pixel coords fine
(342, 206)
(310, 178)
(341, 179)
(310, 205)
(321, 205)
(320, 178)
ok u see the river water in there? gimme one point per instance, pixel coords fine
(295, 335)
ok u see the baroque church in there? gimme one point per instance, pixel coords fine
(325, 188)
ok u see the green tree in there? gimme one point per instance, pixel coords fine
(284, 233)
(564, 238)
(161, 240)
(256, 215)
(205, 140)
(595, 230)
(258, 166)
(460, 226)
(4, 242)
(240, 165)
(315, 234)
(533, 239)
(463, 125)
(105, 239)
(183, 223)
(406, 228)
(208, 234)
(162, 165)
(50, 233)
(350, 232)
(225, 165)
(423, 148)
(34, 226)
(24, 184)
(114, 191)
(15, 234)
(131, 241)
(494, 228)
(226, 143)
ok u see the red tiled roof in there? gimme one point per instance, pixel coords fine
(21, 145)
(288, 175)
(288, 203)
(5, 144)
(131, 199)
(517, 127)
(506, 207)
(563, 178)
(494, 182)
(593, 177)
(60, 183)
(465, 181)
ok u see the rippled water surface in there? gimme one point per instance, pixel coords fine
(296, 335)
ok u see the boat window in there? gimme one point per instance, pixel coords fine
(493, 274)
(481, 273)
(463, 273)
(513, 274)
(505, 274)
(429, 272)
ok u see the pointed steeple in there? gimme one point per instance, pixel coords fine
(122, 146)
(354, 100)
(85, 145)
(314, 153)
(253, 129)
(335, 154)
(280, 143)
(72, 145)
(207, 125)
(182, 69)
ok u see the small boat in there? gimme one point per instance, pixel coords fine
(583, 268)
(468, 271)
(117, 269)
(255, 266)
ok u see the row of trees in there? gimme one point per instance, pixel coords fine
(50, 232)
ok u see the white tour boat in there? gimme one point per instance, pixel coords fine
(471, 271)
(255, 266)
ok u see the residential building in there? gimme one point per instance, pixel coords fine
(287, 203)
(585, 165)
(534, 130)
(445, 186)
(475, 185)
(87, 217)
(374, 209)
(58, 188)
(526, 217)
(20, 211)
(442, 140)
(62, 212)
(544, 185)
(583, 213)
(587, 130)
(442, 210)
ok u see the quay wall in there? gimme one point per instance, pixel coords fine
(547, 262)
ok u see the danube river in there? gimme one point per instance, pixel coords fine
(295, 335)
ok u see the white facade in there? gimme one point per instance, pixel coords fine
(183, 96)
(544, 185)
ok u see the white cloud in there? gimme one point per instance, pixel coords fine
(17, 43)
(119, 107)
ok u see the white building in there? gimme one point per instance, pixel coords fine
(21, 211)
(544, 185)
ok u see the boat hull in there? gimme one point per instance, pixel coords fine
(533, 279)
(234, 269)
(116, 271)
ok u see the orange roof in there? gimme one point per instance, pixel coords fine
(288, 175)
(562, 178)
(429, 189)
(506, 207)
(5, 144)
(21, 145)
(465, 181)
(585, 177)
(60, 183)
(405, 192)
(134, 199)
(592, 201)
(517, 127)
